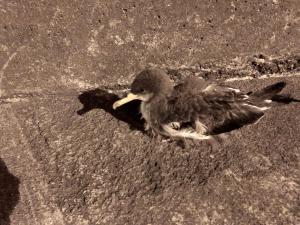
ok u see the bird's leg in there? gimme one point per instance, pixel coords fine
(152, 133)
(146, 126)
(149, 130)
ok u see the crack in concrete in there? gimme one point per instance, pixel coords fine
(28, 186)
(262, 77)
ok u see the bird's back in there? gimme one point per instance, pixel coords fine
(219, 107)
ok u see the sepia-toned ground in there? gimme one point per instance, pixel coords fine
(67, 158)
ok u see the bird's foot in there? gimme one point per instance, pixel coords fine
(174, 125)
(152, 133)
(149, 131)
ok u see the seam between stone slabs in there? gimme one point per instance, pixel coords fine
(27, 146)
(111, 89)
(32, 211)
(262, 77)
(14, 98)
(5, 65)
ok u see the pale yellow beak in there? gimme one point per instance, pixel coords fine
(130, 97)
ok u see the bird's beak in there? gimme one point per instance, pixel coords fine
(130, 97)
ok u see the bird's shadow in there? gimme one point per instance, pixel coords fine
(9, 193)
(102, 99)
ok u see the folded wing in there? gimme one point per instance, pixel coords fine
(218, 107)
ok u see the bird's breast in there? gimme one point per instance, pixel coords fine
(154, 111)
(145, 110)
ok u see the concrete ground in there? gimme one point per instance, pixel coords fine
(67, 158)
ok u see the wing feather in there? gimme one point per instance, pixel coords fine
(219, 107)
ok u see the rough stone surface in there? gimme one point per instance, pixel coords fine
(67, 158)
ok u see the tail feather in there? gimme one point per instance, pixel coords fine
(269, 91)
(285, 99)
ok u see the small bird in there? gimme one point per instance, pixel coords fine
(197, 109)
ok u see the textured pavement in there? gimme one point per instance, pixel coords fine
(67, 158)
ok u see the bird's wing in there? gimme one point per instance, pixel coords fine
(230, 109)
(218, 107)
(191, 84)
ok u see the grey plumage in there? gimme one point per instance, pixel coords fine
(198, 109)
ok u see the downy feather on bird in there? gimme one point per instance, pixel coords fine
(198, 109)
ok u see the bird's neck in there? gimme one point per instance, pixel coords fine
(153, 107)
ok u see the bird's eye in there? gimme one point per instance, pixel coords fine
(142, 90)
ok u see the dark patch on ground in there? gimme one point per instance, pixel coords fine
(254, 66)
(9, 193)
(265, 65)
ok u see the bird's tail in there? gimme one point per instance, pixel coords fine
(270, 94)
(284, 98)
(269, 91)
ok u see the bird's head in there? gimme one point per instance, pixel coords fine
(146, 85)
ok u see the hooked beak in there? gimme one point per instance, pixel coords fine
(130, 97)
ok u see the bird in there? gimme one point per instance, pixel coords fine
(196, 108)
